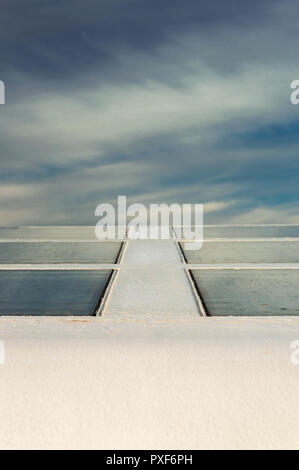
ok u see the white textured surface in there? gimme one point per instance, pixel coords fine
(100, 383)
(150, 374)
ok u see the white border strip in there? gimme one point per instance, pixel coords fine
(196, 295)
(253, 266)
(108, 291)
(246, 240)
(240, 225)
(57, 240)
(56, 267)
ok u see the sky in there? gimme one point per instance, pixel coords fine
(162, 101)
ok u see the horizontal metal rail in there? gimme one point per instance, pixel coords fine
(56, 267)
(255, 266)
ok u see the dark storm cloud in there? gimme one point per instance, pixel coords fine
(121, 20)
(62, 38)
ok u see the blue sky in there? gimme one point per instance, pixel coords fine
(162, 101)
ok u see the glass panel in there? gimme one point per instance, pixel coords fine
(252, 232)
(249, 292)
(286, 231)
(51, 292)
(49, 252)
(244, 252)
(48, 233)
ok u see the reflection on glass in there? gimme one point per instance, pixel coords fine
(249, 292)
(51, 292)
(49, 252)
(244, 252)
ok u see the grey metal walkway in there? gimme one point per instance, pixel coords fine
(152, 283)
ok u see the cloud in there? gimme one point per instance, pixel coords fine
(82, 124)
(267, 215)
(176, 113)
